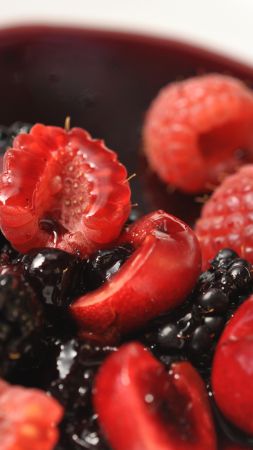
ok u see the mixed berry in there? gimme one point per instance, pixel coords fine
(120, 331)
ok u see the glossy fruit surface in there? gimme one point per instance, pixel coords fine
(165, 407)
(62, 189)
(192, 330)
(226, 218)
(195, 130)
(232, 372)
(157, 277)
(28, 419)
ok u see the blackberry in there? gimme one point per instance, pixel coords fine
(77, 363)
(7, 134)
(21, 321)
(191, 332)
(104, 263)
(54, 275)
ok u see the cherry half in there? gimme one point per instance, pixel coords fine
(232, 373)
(142, 406)
(156, 278)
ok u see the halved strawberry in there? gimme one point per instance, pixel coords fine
(157, 277)
(62, 189)
(142, 406)
(28, 419)
(232, 373)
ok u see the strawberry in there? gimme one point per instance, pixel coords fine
(199, 129)
(28, 419)
(157, 277)
(232, 372)
(142, 406)
(227, 217)
(62, 189)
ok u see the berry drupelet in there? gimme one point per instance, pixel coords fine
(55, 275)
(191, 332)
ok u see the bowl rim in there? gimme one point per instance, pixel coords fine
(11, 32)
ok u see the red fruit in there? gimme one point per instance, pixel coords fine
(232, 373)
(62, 189)
(195, 130)
(227, 217)
(157, 277)
(142, 406)
(28, 419)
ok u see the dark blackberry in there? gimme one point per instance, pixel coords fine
(77, 363)
(224, 257)
(191, 332)
(56, 276)
(21, 321)
(104, 263)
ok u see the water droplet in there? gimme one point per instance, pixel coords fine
(149, 398)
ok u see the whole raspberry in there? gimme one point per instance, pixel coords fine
(197, 131)
(227, 217)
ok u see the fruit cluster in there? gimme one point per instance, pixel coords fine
(107, 322)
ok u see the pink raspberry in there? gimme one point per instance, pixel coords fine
(199, 130)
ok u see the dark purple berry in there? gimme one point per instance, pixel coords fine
(215, 324)
(223, 258)
(21, 322)
(105, 263)
(200, 340)
(240, 272)
(54, 275)
(77, 363)
(214, 301)
(168, 338)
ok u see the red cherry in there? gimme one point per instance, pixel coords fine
(156, 278)
(142, 406)
(232, 373)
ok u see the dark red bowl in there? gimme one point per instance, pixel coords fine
(105, 82)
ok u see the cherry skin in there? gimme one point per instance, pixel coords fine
(157, 277)
(232, 372)
(142, 406)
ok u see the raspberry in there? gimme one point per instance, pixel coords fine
(227, 217)
(28, 419)
(198, 130)
(62, 189)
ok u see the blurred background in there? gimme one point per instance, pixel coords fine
(223, 25)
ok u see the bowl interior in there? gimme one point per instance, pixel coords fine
(105, 82)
